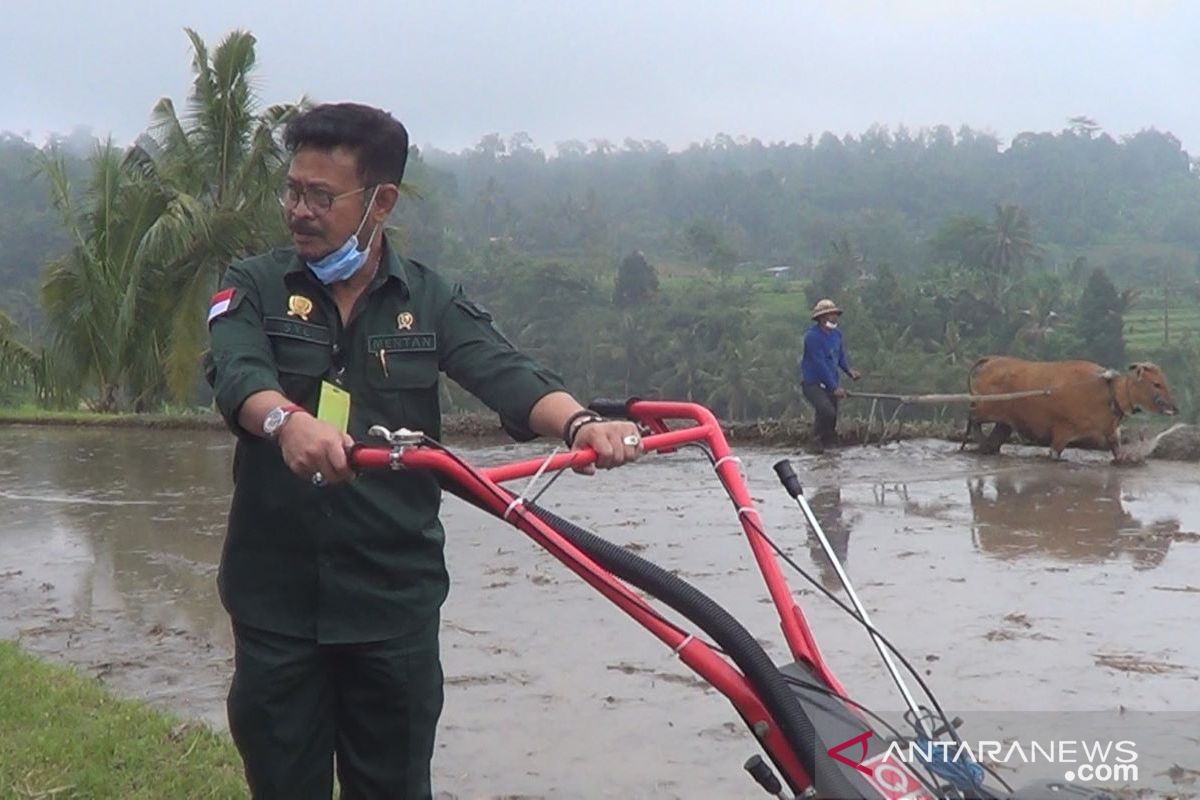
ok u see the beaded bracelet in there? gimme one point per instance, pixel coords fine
(576, 421)
(579, 425)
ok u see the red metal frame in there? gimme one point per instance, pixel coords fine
(483, 484)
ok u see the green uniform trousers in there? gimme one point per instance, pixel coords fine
(296, 706)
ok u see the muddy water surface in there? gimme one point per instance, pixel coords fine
(1039, 599)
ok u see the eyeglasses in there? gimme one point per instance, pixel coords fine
(318, 201)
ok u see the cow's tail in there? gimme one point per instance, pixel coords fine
(978, 365)
(973, 425)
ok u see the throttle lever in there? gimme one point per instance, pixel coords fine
(397, 438)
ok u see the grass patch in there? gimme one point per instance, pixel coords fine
(32, 415)
(65, 736)
(785, 301)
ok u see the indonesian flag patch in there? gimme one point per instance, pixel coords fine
(221, 303)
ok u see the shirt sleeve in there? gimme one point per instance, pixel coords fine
(240, 361)
(474, 354)
(843, 361)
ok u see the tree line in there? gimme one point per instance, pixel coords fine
(630, 269)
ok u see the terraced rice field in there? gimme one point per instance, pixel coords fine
(1144, 328)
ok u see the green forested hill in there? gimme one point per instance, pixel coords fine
(632, 268)
(781, 203)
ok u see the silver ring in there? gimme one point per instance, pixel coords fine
(318, 479)
(633, 440)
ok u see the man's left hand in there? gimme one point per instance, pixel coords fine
(616, 443)
(855, 374)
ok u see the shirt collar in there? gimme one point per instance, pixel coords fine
(395, 266)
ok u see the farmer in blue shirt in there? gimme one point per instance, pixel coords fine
(824, 355)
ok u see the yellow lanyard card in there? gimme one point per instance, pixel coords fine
(334, 406)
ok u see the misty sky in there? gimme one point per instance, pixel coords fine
(678, 72)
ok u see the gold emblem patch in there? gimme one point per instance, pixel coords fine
(404, 321)
(299, 306)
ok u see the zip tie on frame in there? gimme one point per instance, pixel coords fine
(742, 510)
(683, 644)
(538, 474)
(519, 501)
(723, 459)
(741, 469)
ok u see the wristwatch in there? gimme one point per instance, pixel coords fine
(273, 423)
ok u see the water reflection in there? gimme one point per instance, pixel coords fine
(1075, 515)
(826, 504)
(146, 510)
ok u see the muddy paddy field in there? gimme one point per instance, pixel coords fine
(1041, 600)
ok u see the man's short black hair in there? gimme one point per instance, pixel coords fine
(378, 140)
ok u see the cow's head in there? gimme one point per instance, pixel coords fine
(1148, 389)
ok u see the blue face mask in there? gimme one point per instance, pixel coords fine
(343, 263)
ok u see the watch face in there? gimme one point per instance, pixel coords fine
(275, 418)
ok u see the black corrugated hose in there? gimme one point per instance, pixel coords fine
(729, 635)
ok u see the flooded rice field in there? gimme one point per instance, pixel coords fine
(1039, 599)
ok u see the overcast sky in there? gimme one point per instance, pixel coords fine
(677, 71)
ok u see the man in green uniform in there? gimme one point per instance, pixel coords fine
(334, 582)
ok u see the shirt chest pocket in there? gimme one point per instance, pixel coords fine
(303, 355)
(402, 361)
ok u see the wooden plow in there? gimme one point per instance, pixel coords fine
(902, 400)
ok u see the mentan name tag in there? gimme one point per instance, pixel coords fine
(404, 343)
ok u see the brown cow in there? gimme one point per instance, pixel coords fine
(1086, 402)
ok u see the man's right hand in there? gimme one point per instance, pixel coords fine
(311, 445)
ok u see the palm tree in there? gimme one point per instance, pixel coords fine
(1038, 320)
(1037, 326)
(628, 340)
(218, 168)
(20, 365)
(1007, 248)
(683, 369)
(685, 377)
(740, 379)
(105, 332)
(697, 344)
(842, 265)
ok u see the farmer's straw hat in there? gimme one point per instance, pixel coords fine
(823, 307)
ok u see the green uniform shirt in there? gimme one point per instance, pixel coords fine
(361, 561)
